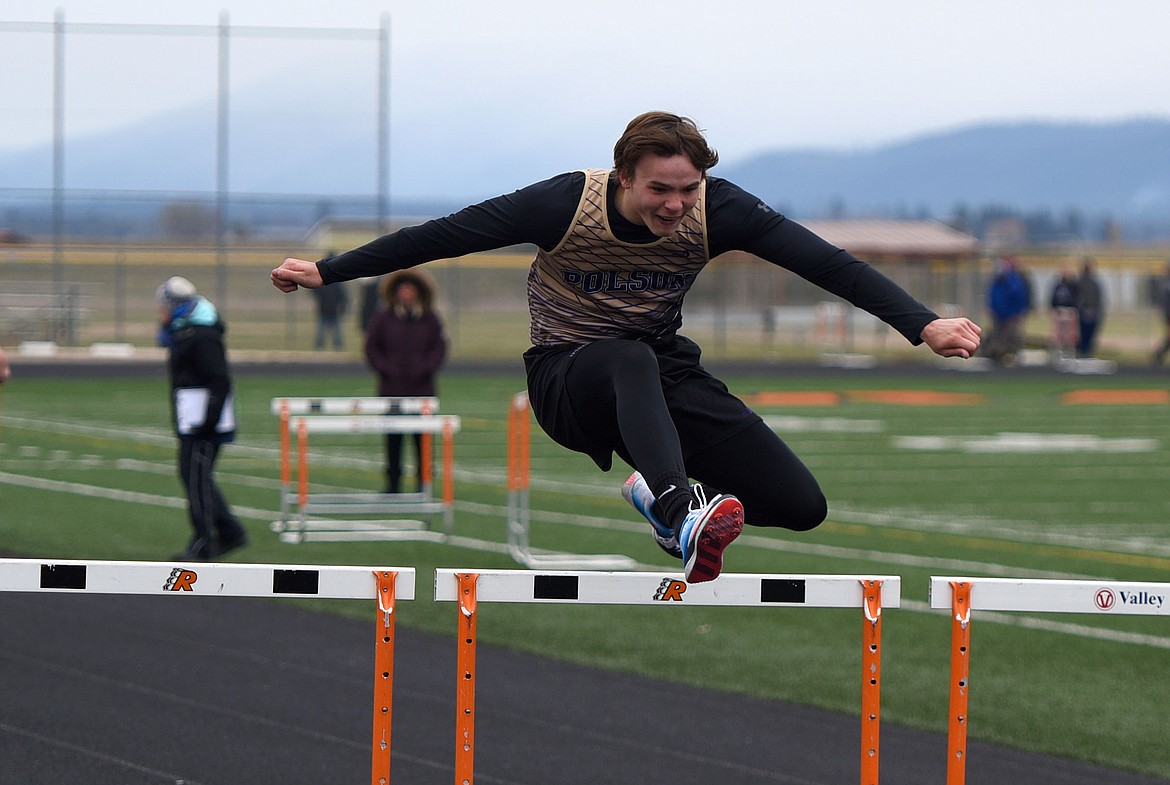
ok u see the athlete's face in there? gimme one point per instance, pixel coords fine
(660, 192)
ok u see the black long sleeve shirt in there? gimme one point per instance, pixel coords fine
(542, 213)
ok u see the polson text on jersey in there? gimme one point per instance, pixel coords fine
(591, 281)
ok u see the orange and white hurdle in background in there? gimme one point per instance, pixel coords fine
(468, 588)
(962, 596)
(518, 515)
(386, 585)
(363, 416)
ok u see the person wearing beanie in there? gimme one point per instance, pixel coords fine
(203, 413)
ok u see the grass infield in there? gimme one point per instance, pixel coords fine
(943, 474)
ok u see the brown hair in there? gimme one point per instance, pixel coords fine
(662, 133)
(423, 282)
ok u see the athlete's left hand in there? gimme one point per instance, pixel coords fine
(952, 337)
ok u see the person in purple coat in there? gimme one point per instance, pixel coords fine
(405, 347)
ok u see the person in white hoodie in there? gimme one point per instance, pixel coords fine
(202, 412)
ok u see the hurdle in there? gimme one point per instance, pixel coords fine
(386, 585)
(303, 515)
(518, 515)
(470, 587)
(964, 595)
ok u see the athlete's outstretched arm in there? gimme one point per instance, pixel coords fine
(952, 337)
(539, 214)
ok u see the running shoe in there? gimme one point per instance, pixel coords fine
(708, 529)
(639, 495)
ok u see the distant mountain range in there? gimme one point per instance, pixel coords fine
(1120, 169)
(1117, 169)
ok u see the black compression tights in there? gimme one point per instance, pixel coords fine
(616, 390)
(616, 393)
(775, 486)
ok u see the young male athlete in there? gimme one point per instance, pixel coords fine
(617, 250)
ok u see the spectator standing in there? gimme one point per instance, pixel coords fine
(331, 306)
(1009, 299)
(406, 347)
(1063, 303)
(371, 303)
(1162, 303)
(202, 411)
(1090, 308)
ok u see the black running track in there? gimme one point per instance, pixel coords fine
(135, 690)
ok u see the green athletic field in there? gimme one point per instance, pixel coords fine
(976, 474)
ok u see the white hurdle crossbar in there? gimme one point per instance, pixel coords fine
(385, 585)
(378, 415)
(962, 596)
(469, 587)
(342, 405)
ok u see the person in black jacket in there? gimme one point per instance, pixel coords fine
(608, 373)
(202, 413)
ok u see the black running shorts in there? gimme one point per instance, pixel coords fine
(703, 410)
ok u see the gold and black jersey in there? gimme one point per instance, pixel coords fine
(597, 275)
(593, 285)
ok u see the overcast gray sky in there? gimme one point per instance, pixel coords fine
(757, 74)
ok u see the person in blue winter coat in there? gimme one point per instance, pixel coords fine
(1009, 299)
(202, 411)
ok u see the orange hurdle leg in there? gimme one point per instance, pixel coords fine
(465, 692)
(960, 675)
(871, 682)
(383, 679)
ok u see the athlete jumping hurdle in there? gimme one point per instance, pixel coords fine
(608, 372)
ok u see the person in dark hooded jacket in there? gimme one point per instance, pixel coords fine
(405, 347)
(202, 413)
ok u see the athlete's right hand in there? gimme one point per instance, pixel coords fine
(295, 273)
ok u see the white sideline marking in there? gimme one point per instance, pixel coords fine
(1140, 539)
(1047, 625)
(1007, 442)
(59, 744)
(798, 424)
